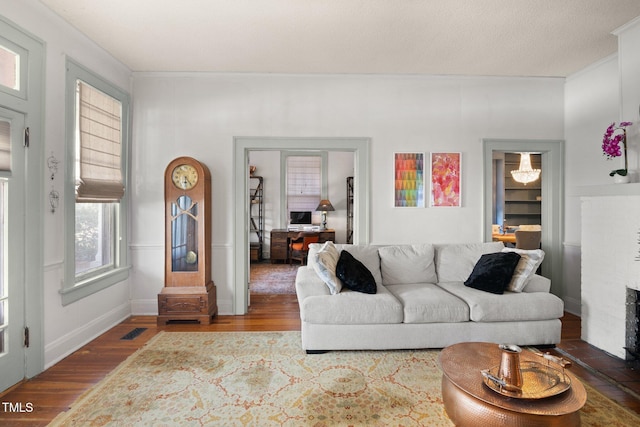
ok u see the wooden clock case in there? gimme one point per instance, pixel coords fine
(189, 293)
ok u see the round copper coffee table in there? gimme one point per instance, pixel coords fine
(469, 402)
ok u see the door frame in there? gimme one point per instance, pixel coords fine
(31, 104)
(14, 356)
(552, 189)
(242, 146)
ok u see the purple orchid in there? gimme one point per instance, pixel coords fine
(611, 145)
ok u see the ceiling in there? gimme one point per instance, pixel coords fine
(455, 37)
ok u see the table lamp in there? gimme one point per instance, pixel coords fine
(325, 206)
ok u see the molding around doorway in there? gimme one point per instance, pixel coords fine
(552, 154)
(242, 147)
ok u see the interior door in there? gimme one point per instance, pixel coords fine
(12, 251)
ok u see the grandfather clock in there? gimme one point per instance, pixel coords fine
(188, 293)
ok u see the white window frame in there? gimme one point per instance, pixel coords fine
(77, 287)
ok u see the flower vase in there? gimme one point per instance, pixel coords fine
(619, 179)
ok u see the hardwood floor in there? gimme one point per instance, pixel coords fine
(54, 390)
(615, 378)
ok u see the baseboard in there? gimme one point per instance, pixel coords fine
(144, 307)
(572, 305)
(149, 307)
(67, 344)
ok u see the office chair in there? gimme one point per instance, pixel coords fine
(299, 246)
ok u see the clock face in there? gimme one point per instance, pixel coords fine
(184, 177)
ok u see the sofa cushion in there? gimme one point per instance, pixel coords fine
(326, 260)
(354, 275)
(511, 306)
(407, 264)
(428, 303)
(367, 255)
(314, 248)
(530, 260)
(537, 283)
(455, 262)
(493, 272)
(308, 283)
(351, 308)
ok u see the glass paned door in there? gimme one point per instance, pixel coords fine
(9, 68)
(12, 229)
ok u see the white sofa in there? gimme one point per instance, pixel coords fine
(421, 301)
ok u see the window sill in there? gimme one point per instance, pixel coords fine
(93, 285)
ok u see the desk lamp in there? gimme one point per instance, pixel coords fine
(325, 206)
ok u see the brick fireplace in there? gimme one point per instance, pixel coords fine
(610, 264)
(632, 341)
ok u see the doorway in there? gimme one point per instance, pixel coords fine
(552, 195)
(242, 147)
(21, 214)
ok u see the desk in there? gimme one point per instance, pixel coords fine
(504, 238)
(280, 239)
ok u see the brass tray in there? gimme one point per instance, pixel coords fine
(538, 382)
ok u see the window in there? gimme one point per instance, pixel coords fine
(10, 68)
(13, 69)
(97, 129)
(303, 183)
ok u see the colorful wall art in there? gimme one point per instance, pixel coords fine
(409, 180)
(445, 179)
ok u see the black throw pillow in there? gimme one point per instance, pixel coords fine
(354, 274)
(492, 273)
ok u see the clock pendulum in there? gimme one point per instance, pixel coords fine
(188, 293)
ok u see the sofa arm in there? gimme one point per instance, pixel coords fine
(308, 283)
(538, 283)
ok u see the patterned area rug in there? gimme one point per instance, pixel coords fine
(266, 278)
(265, 379)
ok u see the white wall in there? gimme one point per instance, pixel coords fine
(341, 165)
(591, 104)
(605, 92)
(200, 114)
(610, 266)
(69, 327)
(629, 54)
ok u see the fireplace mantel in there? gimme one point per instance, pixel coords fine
(630, 189)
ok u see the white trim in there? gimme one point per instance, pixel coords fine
(68, 343)
(72, 289)
(33, 108)
(242, 146)
(593, 66)
(626, 26)
(552, 194)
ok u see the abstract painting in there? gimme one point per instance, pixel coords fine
(409, 180)
(445, 179)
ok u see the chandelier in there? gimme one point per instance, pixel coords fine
(525, 174)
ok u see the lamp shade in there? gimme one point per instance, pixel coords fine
(325, 205)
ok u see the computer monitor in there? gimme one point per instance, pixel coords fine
(300, 217)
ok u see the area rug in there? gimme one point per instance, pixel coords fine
(266, 278)
(265, 379)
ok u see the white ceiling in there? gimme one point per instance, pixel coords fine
(461, 37)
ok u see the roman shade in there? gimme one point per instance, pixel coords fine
(303, 182)
(100, 146)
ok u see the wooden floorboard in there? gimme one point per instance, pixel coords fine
(54, 390)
